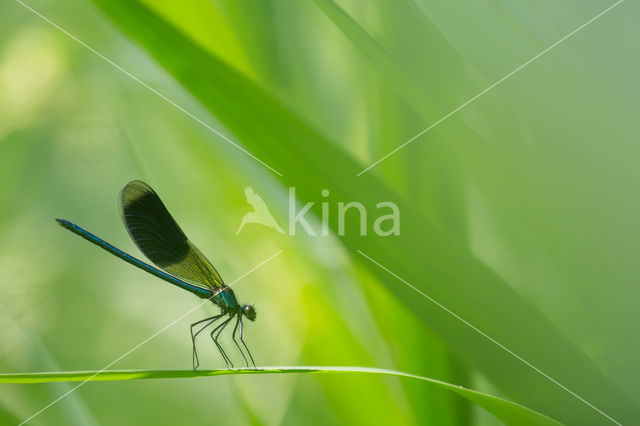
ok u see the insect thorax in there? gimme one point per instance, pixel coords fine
(226, 300)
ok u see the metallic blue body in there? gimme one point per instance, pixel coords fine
(226, 299)
(198, 291)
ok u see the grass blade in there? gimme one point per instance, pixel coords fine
(507, 411)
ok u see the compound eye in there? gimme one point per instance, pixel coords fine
(250, 312)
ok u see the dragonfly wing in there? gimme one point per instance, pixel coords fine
(159, 237)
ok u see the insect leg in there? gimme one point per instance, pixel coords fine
(219, 329)
(196, 362)
(245, 345)
(233, 336)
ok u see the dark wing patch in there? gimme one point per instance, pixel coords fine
(159, 237)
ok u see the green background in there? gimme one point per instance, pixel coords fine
(518, 213)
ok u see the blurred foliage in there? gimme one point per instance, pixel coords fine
(517, 212)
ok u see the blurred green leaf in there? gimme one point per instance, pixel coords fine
(8, 417)
(424, 255)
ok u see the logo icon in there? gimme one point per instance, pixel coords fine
(260, 213)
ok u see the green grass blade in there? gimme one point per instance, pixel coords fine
(507, 411)
(413, 93)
